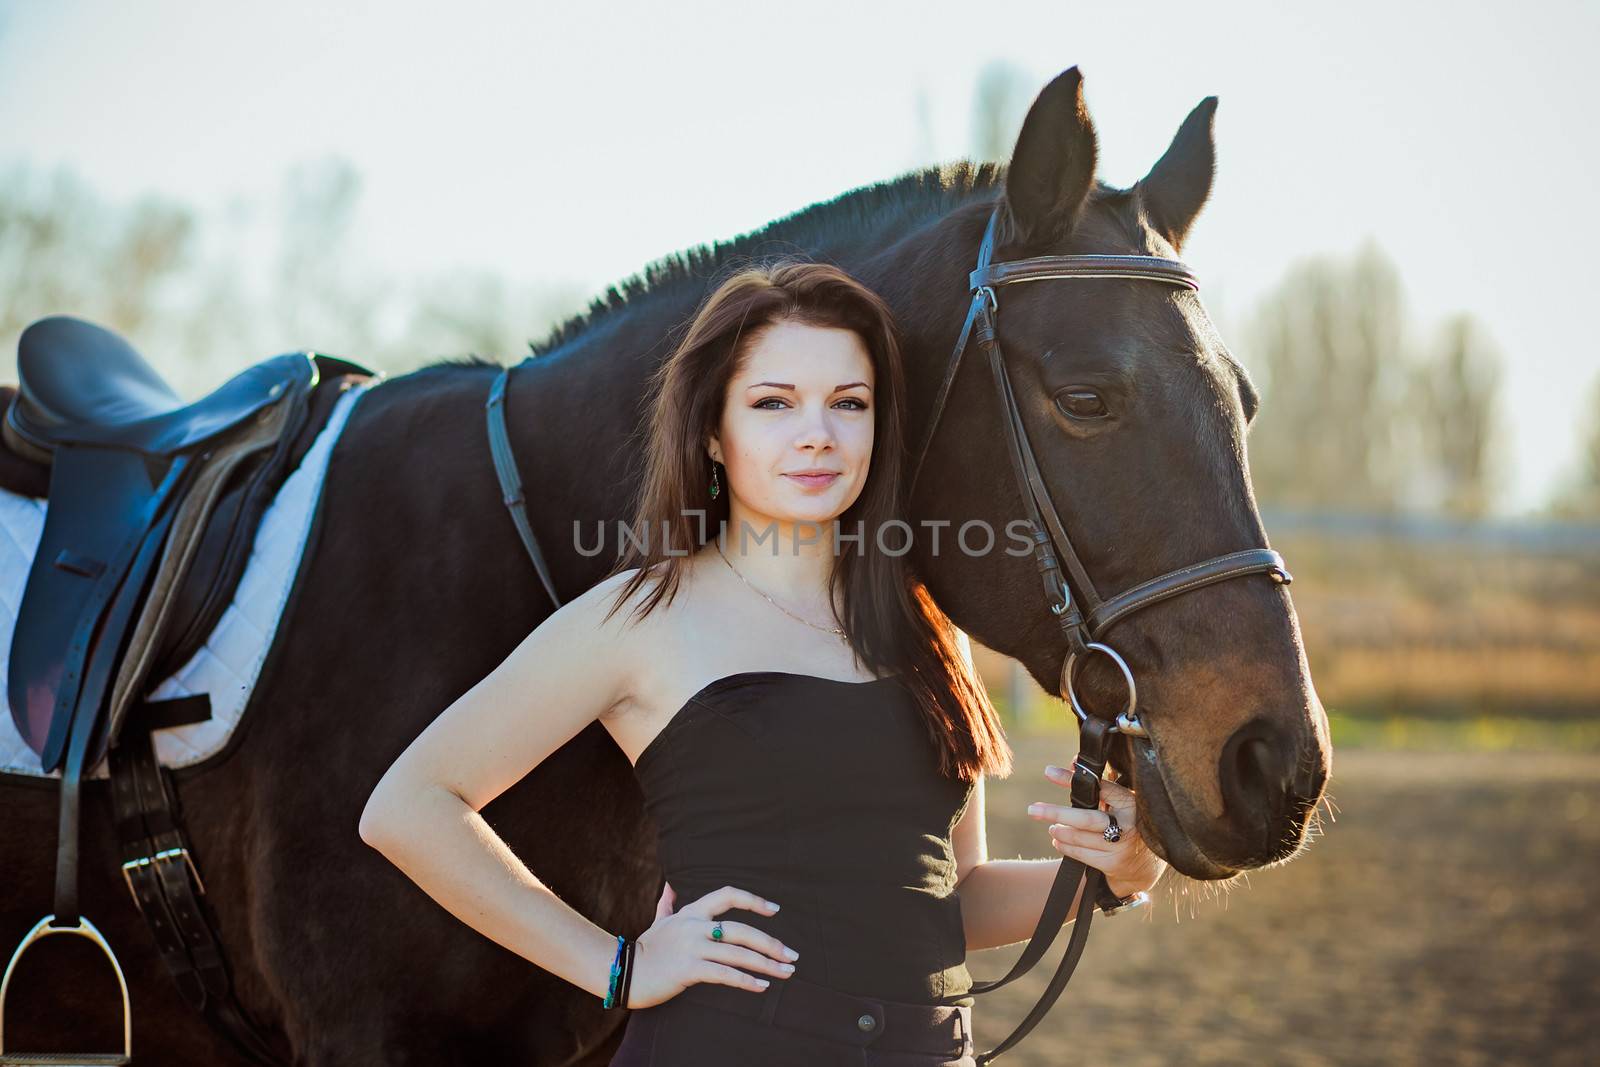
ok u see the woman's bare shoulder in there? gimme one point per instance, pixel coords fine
(636, 634)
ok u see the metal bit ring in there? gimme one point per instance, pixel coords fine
(1126, 722)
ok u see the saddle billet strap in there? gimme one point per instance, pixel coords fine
(157, 866)
(505, 469)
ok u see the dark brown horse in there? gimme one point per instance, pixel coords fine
(415, 585)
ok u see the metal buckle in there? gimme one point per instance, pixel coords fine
(1127, 903)
(1064, 603)
(1126, 722)
(166, 854)
(85, 928)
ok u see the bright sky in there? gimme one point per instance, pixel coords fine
(573, 143)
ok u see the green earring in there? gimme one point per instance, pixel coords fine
(715, 487)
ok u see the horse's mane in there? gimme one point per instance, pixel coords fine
(895, 203)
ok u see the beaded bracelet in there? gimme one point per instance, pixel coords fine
(616, 973)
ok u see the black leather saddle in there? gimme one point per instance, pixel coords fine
(81, 384)
(153, 506)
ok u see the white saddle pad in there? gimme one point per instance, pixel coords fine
(227, 665)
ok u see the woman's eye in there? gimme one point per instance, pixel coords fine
(1082, 404)
(859, 404)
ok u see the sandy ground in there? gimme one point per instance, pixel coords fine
(1448, 914)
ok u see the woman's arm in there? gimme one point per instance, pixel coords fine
(1001, 900)
(423, 814)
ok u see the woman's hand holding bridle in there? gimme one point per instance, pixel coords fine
(1128, 863)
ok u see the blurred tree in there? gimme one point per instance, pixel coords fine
(1331, 344)
(999, 105)
(1455, 397)
(64, 251)
(204, 297)
(479, 313)
(321, 298)
(1579, 498)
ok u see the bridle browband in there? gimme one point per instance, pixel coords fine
(1051, 548)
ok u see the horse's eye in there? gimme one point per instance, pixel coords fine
(1081, 404)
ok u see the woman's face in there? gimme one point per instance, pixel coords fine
(802, 402)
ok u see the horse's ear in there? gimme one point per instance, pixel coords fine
(1178, 185)
(1052, 167)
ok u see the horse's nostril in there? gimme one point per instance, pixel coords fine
(1257, 767)
(1255, 772)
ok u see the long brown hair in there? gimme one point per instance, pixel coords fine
(892, 622)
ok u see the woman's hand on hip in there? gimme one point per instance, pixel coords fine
(679, 950)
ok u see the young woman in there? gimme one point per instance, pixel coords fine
(809, 738)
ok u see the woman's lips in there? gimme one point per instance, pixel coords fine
(813, 481)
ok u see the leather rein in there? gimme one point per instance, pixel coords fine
(1082, 630)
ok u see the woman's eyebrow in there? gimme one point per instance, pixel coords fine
(790, 385)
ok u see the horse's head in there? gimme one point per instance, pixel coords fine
(1136, 415)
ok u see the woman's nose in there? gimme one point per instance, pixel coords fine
(816, 429)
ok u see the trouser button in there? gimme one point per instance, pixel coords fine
(867, 1023)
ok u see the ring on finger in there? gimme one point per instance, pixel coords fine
(1112, 832)
(716, 930)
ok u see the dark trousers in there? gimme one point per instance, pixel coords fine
(793, 1023)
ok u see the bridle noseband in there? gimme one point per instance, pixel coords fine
(1051, 545)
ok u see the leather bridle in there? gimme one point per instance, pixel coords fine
(1083, 631)
(1051, 545)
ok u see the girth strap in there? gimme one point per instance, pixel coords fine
(162, 876)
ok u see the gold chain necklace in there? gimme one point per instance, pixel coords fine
(836, 631)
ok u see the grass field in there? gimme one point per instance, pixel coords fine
(1448, 914)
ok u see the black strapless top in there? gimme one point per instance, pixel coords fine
(824, 796)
